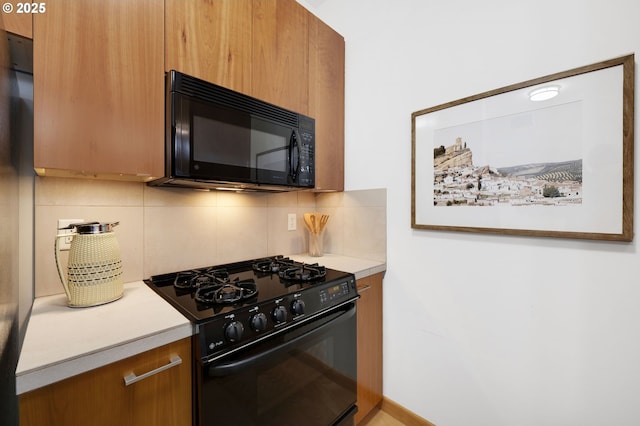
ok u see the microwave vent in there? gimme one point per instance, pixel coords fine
(224, 97)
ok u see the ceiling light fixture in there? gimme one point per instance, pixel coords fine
(544, 93)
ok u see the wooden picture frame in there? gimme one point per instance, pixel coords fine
(498, 162)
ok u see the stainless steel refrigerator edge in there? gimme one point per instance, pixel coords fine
(9, 336)
(16, 210)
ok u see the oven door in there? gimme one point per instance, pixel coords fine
(304, 376)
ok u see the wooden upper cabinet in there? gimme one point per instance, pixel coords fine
(210, 40)
(19, 23)
(280, 63)
(326, 103)
(99, 89)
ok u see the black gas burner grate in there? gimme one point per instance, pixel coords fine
(220, 285)
(199, 278)
(289, 270)
(271, 265)
(226, 293)
(304, 273)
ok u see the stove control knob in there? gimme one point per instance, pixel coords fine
(279, 314)
(297, 307)
(259, 322)
(233, 331)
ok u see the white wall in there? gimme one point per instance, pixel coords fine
(487, 329)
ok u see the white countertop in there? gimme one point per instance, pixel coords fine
(359, 267)
(62, 342)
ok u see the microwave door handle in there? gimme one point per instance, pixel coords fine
(294, 148)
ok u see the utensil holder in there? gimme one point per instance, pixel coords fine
(316, 244)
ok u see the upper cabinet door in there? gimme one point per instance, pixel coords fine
(21, 23)
(99, 89)
(280, 64)
(210, 40)
(326, 103)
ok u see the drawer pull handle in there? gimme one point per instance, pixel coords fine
(131, 378)
(364, 288)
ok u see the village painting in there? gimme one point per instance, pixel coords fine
(458, 182)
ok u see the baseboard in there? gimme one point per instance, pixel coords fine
(400, 413)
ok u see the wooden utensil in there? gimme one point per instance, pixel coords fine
(323, 221)
(315, 222)
(308, 222)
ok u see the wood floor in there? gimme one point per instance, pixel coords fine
(383, 419)
(393, 414)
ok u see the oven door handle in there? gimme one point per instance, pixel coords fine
(231, 367)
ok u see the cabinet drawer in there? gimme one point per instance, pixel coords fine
(161, 395)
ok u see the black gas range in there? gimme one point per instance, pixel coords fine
(204, 293)
(236, 303)
(260, 324)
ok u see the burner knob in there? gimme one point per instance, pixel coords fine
(233, 331)
(259, 322)
(280, 314)
(297, 307)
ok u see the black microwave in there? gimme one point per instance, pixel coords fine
(217, 138)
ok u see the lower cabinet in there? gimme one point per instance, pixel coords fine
(101, 397)
(369, 345)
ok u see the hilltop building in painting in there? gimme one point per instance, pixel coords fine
(458, 182)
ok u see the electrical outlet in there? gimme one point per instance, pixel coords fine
(291, 223)
(65, 243)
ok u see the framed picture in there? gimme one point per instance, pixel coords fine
(550, 157)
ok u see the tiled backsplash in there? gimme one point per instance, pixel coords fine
(163, 230)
